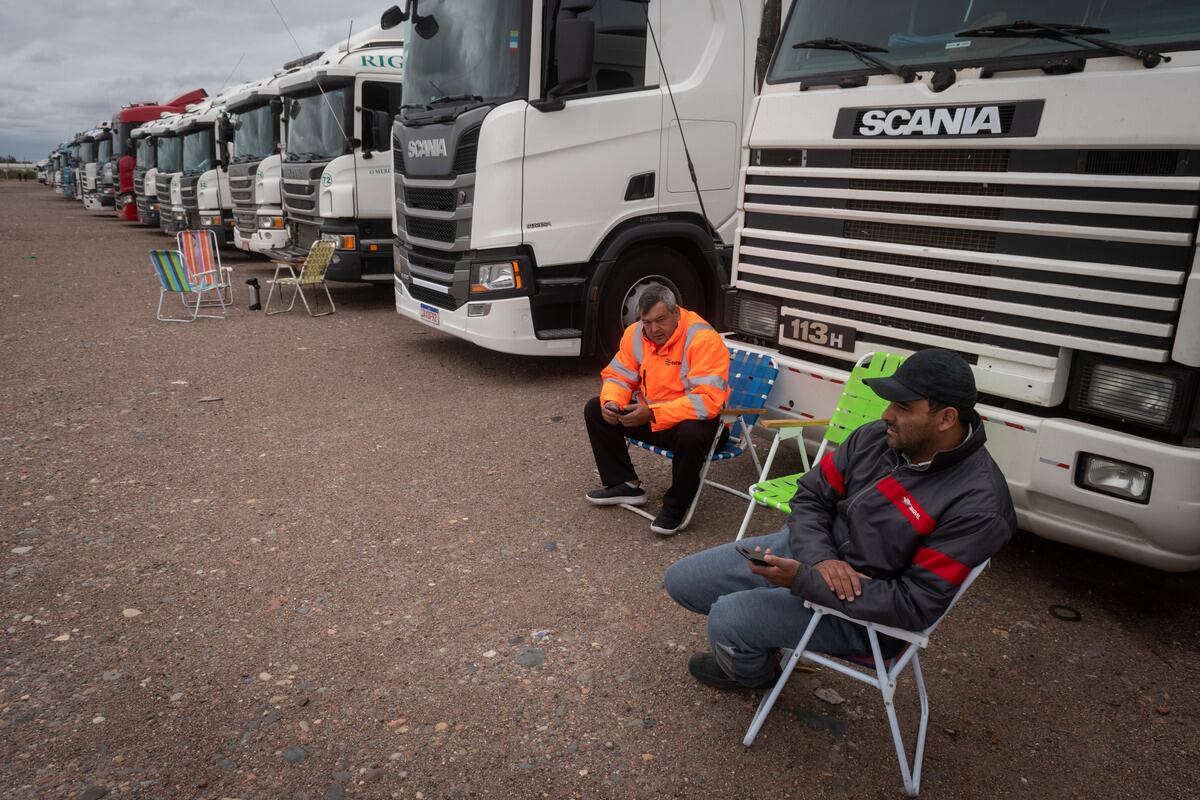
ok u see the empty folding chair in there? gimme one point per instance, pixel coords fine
(312, 273)
(201, 255)
(751, 377)
(857, 406)
(174, 279)
(875, 671)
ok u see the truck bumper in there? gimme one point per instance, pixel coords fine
(1041, 458)
(266, 242)
(505, 326)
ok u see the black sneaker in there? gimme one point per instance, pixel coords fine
(705, 668)
(615, 495)
(667, 523)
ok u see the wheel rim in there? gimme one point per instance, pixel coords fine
(629, 312)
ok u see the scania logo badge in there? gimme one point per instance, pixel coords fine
(1020, 118)
(427, 148)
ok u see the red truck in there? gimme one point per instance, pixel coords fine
(124, 157)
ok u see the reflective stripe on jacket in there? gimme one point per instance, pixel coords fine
(686, 378)
(916, 530)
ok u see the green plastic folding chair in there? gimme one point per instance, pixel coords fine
(174, 278)
(858, 405)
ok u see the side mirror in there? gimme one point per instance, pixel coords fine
(575, 47)
(276, 104)
(392, 17)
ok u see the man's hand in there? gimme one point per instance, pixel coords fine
(635, 414)
(782, 571)
(841, 578)
(610, 413)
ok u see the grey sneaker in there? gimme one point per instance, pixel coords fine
(615, 495)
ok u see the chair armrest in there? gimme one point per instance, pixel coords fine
(740, 412)
(919, 639)
(792, 423)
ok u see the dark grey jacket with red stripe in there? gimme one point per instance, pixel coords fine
(915, 530)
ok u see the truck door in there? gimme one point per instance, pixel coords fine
(375, 173)
(582, 162)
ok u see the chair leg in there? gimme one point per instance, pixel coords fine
(768, 701)
(762, 475)
(887, 686)
(162, 295)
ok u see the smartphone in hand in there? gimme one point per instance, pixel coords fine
(753, 556)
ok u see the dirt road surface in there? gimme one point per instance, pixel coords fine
(349, 557)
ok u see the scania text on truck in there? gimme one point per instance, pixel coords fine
(254, 114)
(541, 179)
(337, 168)
(1018, 182)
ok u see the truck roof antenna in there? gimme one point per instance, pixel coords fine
(320, 89)
(230, 75)
(686, 152)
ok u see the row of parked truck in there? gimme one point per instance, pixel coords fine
(1017, 181)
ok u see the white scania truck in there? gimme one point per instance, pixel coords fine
(95, 150)
(169, 161)
(151, 157)
(1016, 181)
(337, 167)
(541, 179)
(204, 202)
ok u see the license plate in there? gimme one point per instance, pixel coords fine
(430, 314)
(798, 330)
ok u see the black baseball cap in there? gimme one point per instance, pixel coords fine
(933, 374)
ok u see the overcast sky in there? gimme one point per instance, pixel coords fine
(68, 63)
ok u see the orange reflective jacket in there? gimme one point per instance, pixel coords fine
(686, 378)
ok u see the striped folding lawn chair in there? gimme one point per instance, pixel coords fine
(751, 377)
(312, 273)
(857, 405)
(201, 255)
(174, 279)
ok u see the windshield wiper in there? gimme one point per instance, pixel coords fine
(455, 98)
(862, 52)
(303, 156)
(1029, 29)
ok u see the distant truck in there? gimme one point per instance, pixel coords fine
(169, 162)
(337, 167)
(203, 201)
(124, 157)
(92, 145)
(145, 170)
(253, 123)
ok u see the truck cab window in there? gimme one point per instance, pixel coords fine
(620, 47)
(378, 96)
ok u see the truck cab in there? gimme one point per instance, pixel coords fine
(204, 199)
(90, 146)
(337, 166)
(172, 218)
(542, 181)
(145, 173)
(108, 169)
(254, 125)
(129, 165)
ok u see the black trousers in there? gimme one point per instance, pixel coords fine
(689, 440)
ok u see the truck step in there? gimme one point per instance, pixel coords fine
(560, 333)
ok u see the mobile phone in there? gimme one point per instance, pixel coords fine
(613, 407)
(754, 556)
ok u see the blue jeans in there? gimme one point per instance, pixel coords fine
(748, 617)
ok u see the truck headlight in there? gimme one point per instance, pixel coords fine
(1115, 478)
(271, 223)
(497, 277)
(756, 317)
(1128, 391)
(210, 221)
(341, 242)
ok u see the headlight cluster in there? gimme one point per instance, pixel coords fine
(501, 277)
(270, 223)
(1158, 397)
(341, 242)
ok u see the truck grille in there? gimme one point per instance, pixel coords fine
(433, 230)
(162, 187)
(1014, 254)
(300, 183)
(187, 192)
(241, 191)
(139, 180)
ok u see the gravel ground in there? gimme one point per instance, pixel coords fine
(365, 569)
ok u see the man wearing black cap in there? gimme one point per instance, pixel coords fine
(884, 529)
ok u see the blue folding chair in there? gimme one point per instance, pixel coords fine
(751, 378)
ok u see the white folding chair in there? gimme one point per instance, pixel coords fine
(875, 671)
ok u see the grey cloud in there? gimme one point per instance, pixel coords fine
(69, 64)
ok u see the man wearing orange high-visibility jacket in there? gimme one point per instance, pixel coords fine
(666, 386)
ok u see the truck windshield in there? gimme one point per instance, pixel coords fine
(198, 150)
(145, 152)
(87, 152)
(476, 52)
(313, 125)
(254, 134)
(170, 154)
(105, 149)
(921, 33)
